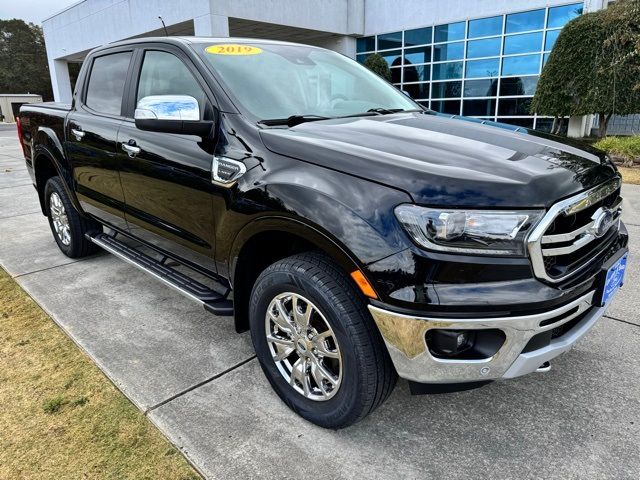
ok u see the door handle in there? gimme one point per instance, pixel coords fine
(131, 148)
(77, 133)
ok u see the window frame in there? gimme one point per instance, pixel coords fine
(136, 70)
(85, 81)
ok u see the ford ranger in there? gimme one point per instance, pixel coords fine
(357, 235)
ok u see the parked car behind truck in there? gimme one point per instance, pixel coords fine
(357, 235)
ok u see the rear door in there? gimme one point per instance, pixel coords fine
(167, 183)
(91, 134)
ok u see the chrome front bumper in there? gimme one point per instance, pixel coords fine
(404, 336)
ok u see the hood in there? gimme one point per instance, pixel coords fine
(447, 161)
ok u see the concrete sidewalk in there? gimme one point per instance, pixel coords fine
(198, 381)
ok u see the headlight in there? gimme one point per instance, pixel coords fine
(484, 232)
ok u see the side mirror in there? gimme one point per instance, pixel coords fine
(171, 114)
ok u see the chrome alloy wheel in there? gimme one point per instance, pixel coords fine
(304, 347)
(59, 218)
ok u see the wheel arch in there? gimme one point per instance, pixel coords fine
(49, 161)
(285, 237)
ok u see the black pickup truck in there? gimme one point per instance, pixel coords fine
(357, 235)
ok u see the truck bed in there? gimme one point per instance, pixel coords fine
(43, 123)
(53, 105)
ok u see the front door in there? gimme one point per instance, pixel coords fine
(91, 135)
(166, 178)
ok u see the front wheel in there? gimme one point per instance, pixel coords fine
(317, 343)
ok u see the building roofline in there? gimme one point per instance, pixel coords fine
(69, 7)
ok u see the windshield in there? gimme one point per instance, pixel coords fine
(273, 81)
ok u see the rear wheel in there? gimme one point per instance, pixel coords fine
(67, 226)
(317, 343)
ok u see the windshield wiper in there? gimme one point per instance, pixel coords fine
(381, 111)
(385, 111)
(293, 120)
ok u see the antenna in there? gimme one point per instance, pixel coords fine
(164, 26)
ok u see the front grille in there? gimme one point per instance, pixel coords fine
(574, 256)
(572, 235)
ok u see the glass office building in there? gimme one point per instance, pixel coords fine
(486, 68)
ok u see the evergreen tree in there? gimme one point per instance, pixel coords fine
(593, 68)
(23, 59)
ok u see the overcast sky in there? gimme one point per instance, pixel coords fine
(33, 11)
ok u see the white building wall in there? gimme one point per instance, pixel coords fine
(92, 23)
(335, 16)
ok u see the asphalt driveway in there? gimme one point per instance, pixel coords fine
(199, 382)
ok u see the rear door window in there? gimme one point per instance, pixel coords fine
(106, 83)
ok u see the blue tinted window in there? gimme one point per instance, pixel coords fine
(448, 51)
(393, 58)
(483, 68)
(365, 44)
(518, 86)
(559, 16)
(484, 48)
(419, 36)
(485, 27)
(417, 55)
(446, 90)
(361, 58)
(447, 33)
(521, 22)
(451, 107)
(529, 42)
(514, 106)
(390, 40)
(418, 73)
(480, 88)
(479, 108)
(544, 59)
(446, 71)
(550, 41)
(417, 90)
(522, 65)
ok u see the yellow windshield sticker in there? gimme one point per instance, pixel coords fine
(233, 49)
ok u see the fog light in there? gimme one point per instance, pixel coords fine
(449, 343)
(476, 344)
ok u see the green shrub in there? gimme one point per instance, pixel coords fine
(377, 64)
(593, 67)
(626, 148)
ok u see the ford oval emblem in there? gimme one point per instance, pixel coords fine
(602, 220)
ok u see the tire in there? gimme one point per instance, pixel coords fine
(365, 372)
(69, 234)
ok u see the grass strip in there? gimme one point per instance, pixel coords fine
(60, 416)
